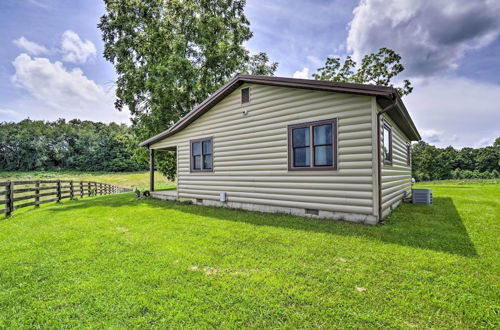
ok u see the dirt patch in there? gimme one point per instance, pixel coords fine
(211, 271)
(122, 229)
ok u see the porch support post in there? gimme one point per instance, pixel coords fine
(151, 170)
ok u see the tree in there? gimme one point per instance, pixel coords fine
(488, 159)
(496, 144)
(60, 145)
(430, 163)
(170, 55)
(376, 68)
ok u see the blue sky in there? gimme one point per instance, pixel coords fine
(51, 63)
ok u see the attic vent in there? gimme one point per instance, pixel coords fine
(422, 196)
(245, 95)
(312, 211)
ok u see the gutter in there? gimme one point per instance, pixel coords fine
(379, 155)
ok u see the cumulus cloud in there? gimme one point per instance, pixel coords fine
(455, 111)
(64, 93)
(303, 74)
(432, 36)
(31, 47)
(75, 50)
(431, 135)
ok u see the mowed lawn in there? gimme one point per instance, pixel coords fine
(122, 179)
(114, 261)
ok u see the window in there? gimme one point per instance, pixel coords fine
(245, 95)
(202, 155)
(387, 144)
(408, 153)
(312, 146)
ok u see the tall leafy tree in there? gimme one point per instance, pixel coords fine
(431, 163)
(171, 54)
(377, 68)
(60, 145)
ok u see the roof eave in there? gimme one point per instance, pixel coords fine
(400, 115)
(381, 92)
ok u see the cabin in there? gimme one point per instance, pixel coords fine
(305, 147)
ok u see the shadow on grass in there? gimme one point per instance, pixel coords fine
(437, 227)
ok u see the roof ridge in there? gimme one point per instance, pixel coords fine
(239, 79)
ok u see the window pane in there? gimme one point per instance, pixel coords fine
(207, 147)
(323, 134)
(301, 157)
(408, 154)
(323, 156)
(196, 148)
(300, 137)
(196, 162)
(245, 95)
(387, 144)
(207, 162)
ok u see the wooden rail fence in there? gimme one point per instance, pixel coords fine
(16, 193)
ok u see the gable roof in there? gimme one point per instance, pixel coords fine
(385, 96)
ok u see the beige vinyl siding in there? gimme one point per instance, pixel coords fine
(250, 152)
(396, 178)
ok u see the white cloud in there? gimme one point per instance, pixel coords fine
(304, 74)
(484, 142)
(431, 36)
(75, 50)
(62, 93)
(431, 135)
(31, 47)
(39, 3)
(455, 111)
(314, 60)
(8, 114)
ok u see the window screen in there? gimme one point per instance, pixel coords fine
(312, 145)
(301, 147)
(245, 95)
(202, 155)
(408, 154)
(387, 144)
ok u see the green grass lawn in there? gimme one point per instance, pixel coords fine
(125, 180)
(114, 261)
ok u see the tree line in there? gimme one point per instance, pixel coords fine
(31, 145)
(78, 145)
(432, 163)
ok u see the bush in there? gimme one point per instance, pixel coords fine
(459, 174)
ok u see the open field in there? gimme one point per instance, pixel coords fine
(114, 261)
(125, 179)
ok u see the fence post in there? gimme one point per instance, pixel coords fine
(9, 196)
(95, 187)
(37, 192)
(81, 189)
(88, 189)
(71, 190)
(100, 188)
(58, 191)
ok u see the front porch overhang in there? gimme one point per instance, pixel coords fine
(152, 151)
